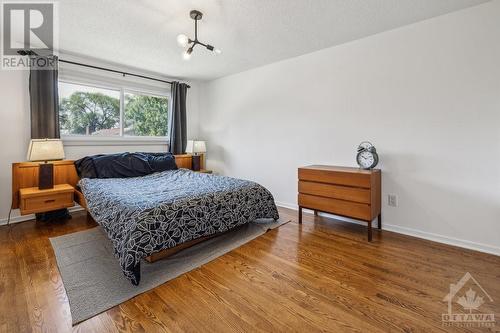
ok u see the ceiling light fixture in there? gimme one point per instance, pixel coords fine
(185, 41)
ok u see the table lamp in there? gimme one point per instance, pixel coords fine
(45, 150)
(196, 148)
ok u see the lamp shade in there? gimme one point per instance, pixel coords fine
(45, 150)
(196, 147)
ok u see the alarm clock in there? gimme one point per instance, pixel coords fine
(367, 156)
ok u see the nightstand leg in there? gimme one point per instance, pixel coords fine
(380, 221)
(369, 231)
(300, 215)
(315, 213)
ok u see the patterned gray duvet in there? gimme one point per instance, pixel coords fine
(147, 214)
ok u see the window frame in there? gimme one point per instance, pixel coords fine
(121, 139)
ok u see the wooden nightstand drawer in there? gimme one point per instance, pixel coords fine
(47, 203)
(34, 200)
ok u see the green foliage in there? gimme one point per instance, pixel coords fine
(146, 115)
(86, 113)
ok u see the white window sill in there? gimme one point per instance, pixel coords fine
(113, 141)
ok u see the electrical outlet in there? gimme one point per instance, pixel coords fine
(392, 200)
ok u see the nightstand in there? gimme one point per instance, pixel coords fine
(204, 171)
(34, 200)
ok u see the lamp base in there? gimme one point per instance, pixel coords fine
(196, 162)
(46, 176)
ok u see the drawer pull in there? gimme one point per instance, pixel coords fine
(49, 201)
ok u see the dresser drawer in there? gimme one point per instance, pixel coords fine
(347, 193)
(336, 177)
(335, 206)
(48, 202)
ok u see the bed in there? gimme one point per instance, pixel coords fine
(145, 215)
(154, 214)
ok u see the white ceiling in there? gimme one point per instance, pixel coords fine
(251, 33)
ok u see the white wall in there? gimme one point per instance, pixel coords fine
(427, 95)
(15, 128)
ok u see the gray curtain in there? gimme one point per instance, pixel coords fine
(178, 123)
(44, 101)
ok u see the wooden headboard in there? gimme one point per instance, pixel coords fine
(25, 174)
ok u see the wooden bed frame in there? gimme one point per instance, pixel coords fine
(25, 174)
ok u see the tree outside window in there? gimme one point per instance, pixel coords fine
(145, 115)
(87, 110)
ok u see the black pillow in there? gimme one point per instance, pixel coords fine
(85, 167)
(124, 165)
(161, 161)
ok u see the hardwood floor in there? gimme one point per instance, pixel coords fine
(321, 276)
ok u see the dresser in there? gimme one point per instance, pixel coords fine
(343, 191)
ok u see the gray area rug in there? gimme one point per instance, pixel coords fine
(95, 283)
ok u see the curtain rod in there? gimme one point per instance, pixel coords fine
(115, 71)
(28, 52)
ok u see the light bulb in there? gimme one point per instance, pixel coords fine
(182, 40)
(186, 55)
(217, 51)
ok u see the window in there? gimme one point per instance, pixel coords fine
(85, 110)
(145, 115)
(92, 111)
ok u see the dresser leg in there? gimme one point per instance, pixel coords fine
(369, 231)
(380, 221)
(300, 215)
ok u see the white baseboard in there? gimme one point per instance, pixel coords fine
(443, 239)
(23, 218)
(417, 233)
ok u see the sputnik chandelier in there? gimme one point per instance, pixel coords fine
(185, 41)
